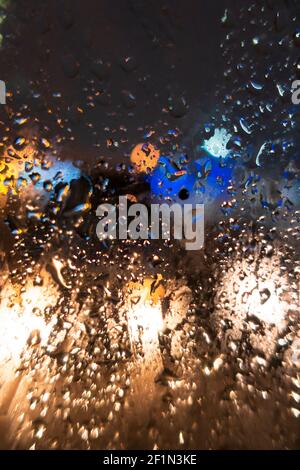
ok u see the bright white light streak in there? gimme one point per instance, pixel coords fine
(19, 318)
(145, 322)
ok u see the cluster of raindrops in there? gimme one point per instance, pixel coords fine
(139, 344)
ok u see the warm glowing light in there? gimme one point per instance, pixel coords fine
(28, 172)
(257, 299)
(20, 318)
(145, 322)
(151, 290)
(144, 157)
(8, 175)
(265, 304)
(144, 315)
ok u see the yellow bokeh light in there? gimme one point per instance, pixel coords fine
(151, 289)
(8, 174)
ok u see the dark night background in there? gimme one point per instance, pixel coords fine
(76, 47)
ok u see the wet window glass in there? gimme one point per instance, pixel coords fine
(149, 224)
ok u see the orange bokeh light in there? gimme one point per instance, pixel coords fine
(144, 157)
